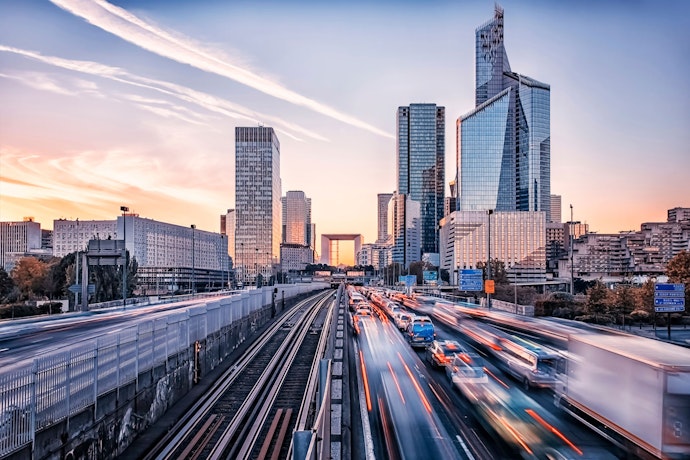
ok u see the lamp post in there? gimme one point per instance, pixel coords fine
(193, 289)
(124, 210)
(488, 276)
(256, 268)
(572, 265)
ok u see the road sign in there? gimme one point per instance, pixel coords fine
(471, 280)
(669, 297)
(74, 288)
(489, 286)
(430, 275)
(670, 309)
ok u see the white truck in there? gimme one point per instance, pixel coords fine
(632, 390)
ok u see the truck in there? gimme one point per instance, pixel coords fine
(632, 390)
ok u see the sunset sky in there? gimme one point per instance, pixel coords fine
(134, 103)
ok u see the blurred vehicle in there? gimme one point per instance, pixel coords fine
(521, 422)
(440, 352)
(362, 314)
(420, 331)
(402, 319)
(632, 390)
(466, 369)
(532, 364)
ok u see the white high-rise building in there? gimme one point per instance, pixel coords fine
(257, 202)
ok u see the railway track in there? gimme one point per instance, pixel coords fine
(251, 411)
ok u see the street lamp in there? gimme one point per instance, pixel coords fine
(256, 268)
(124, 210)
(193, 261)
(488, 276)
(572, 265)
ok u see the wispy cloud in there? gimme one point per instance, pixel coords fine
(129, 27)
(39, 81)
(207, 101)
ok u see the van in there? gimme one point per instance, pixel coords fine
(420, 331)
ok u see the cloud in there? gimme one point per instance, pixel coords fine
(40, 82)
(129, 27)
(201, 99)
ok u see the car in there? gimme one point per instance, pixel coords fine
(362, 314)
(466, 373)
(402, 319)
(440, 352)
(420, 331)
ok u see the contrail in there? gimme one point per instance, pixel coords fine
(129, 27)
(201, 99)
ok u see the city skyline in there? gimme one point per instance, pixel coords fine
(135, 103)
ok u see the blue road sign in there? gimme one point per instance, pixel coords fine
(668, 309)
(669, 287)
(471, 280)
(668, 301)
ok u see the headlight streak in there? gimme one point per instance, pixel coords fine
(365, 380)
(420, 392)
(395, 379)
(553, 430)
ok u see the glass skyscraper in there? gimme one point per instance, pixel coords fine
(504, 151)
(257, 202)
(421, 167)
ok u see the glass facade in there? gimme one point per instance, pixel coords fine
(504, 149)
(257, 202)
(421, 167)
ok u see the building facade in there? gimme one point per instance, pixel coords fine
(227, 228)
(295, 257)
(18, 239)
(73, 235)
(504, 153)
(516, 238)
(555, 210)
(296, 218)
(404, 230)
(420, 166)
(257, 203)
(382, 216)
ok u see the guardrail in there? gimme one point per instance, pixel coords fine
(50, 388)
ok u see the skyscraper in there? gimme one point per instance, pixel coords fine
(504, 152)
(382, 211)
(555, 210)
(297, 219)
(421, 167)
(257, 202)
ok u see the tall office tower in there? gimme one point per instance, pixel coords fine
(227, 227)
(504, 152)
(257, 202)
(383, 199)
(555, 211)
(297, 225)
(420, 165)
(404, 229)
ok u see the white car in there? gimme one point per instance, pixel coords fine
(402, 319)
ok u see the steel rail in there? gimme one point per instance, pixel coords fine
(164, 449)
(259, 402)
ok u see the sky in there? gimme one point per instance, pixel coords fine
(134, 103)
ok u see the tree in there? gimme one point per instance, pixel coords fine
(498, 271)
(6, 284)
(597, 300)
(678, 271)
(623, 301)
(29, 276)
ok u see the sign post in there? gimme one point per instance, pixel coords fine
(669, 298)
